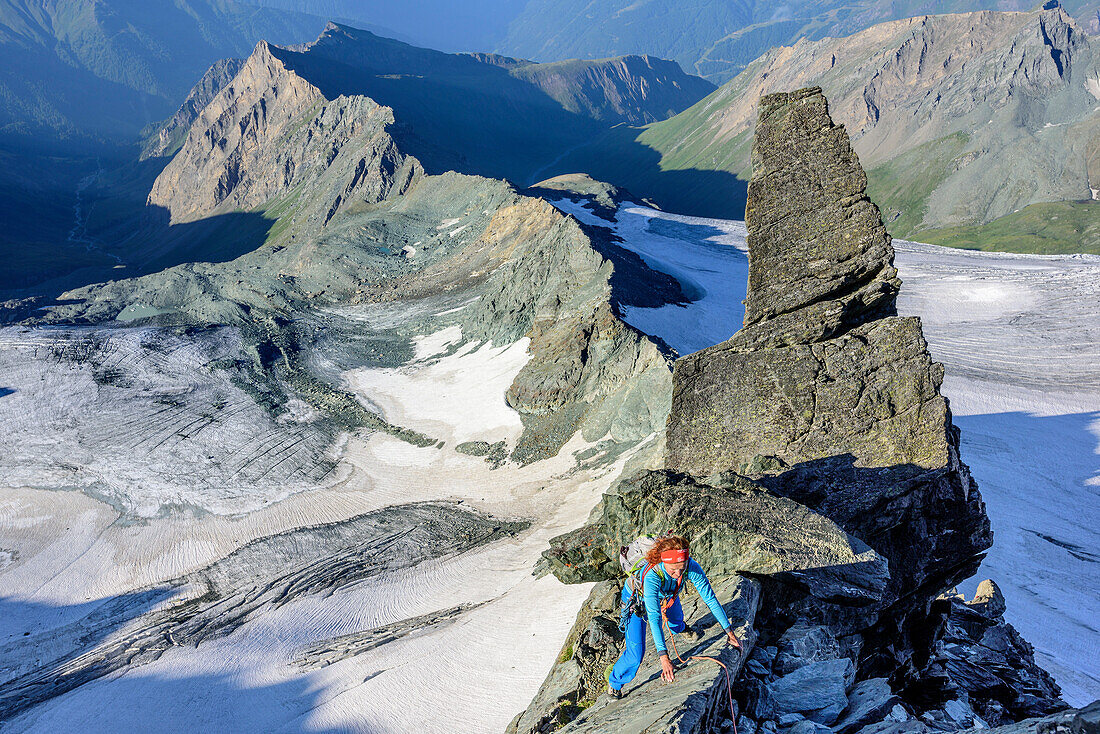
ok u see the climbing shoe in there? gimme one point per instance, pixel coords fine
(613, 693)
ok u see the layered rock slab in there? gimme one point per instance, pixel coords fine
(735, 527)
(570, 699)
(826, 395)
(745, 538)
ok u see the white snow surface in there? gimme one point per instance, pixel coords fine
(1019, 336)
(66, 553)
(707, 256)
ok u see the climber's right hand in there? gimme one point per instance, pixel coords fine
(668, 673)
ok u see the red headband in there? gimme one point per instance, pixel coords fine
(674, 555)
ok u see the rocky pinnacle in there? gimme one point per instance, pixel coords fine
(826, 395)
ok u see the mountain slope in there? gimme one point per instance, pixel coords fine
(82, 70)
(352, 218)
(714, 39)
(487, 114)
(959, 119)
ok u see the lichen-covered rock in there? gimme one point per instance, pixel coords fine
(825, 396)
(734, 527)
(821, 260)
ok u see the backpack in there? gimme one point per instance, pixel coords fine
(632, 561)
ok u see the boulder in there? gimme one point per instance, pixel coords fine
(734, 527)
(818, 691)
(869, 701)
(988, 600)
(803, 644)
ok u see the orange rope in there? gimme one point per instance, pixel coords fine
(672, 643)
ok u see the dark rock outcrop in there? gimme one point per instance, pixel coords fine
(982, 661)
(747, 540)
(826, 396)
(814, 452)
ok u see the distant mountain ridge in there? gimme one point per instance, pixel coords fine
(713, 38)
(959, 119)
(84, 70)
(476, 113)
(634, 89)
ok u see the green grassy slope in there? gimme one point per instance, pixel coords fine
(1053, 228)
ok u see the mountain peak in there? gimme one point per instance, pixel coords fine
(270, 131)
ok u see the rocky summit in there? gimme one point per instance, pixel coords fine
(826, 394)
(814, 454)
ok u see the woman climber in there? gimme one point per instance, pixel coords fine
(658, 587)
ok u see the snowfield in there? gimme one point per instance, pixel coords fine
(100, 535)
(1019, 337)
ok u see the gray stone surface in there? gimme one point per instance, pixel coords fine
(803, 644)
(914, 726)
(695, 702)
(821, 260)
(826, 396)
(819, 691)
(734, 526)
(869, 701)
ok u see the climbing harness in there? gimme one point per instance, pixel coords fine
(636, 603)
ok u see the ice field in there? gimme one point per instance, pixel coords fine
(267, 575)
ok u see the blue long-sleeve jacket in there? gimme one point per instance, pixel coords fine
(662, 585)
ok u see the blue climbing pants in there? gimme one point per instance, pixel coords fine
(626, 667)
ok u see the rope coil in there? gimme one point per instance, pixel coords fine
(672, 643)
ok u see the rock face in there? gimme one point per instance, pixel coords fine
(695, 703)
(738, 531)
(349, 206)
(814, 453)
(735, 527)
(589, 369)
(171, 136)
(825, 395)
(270, 131)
